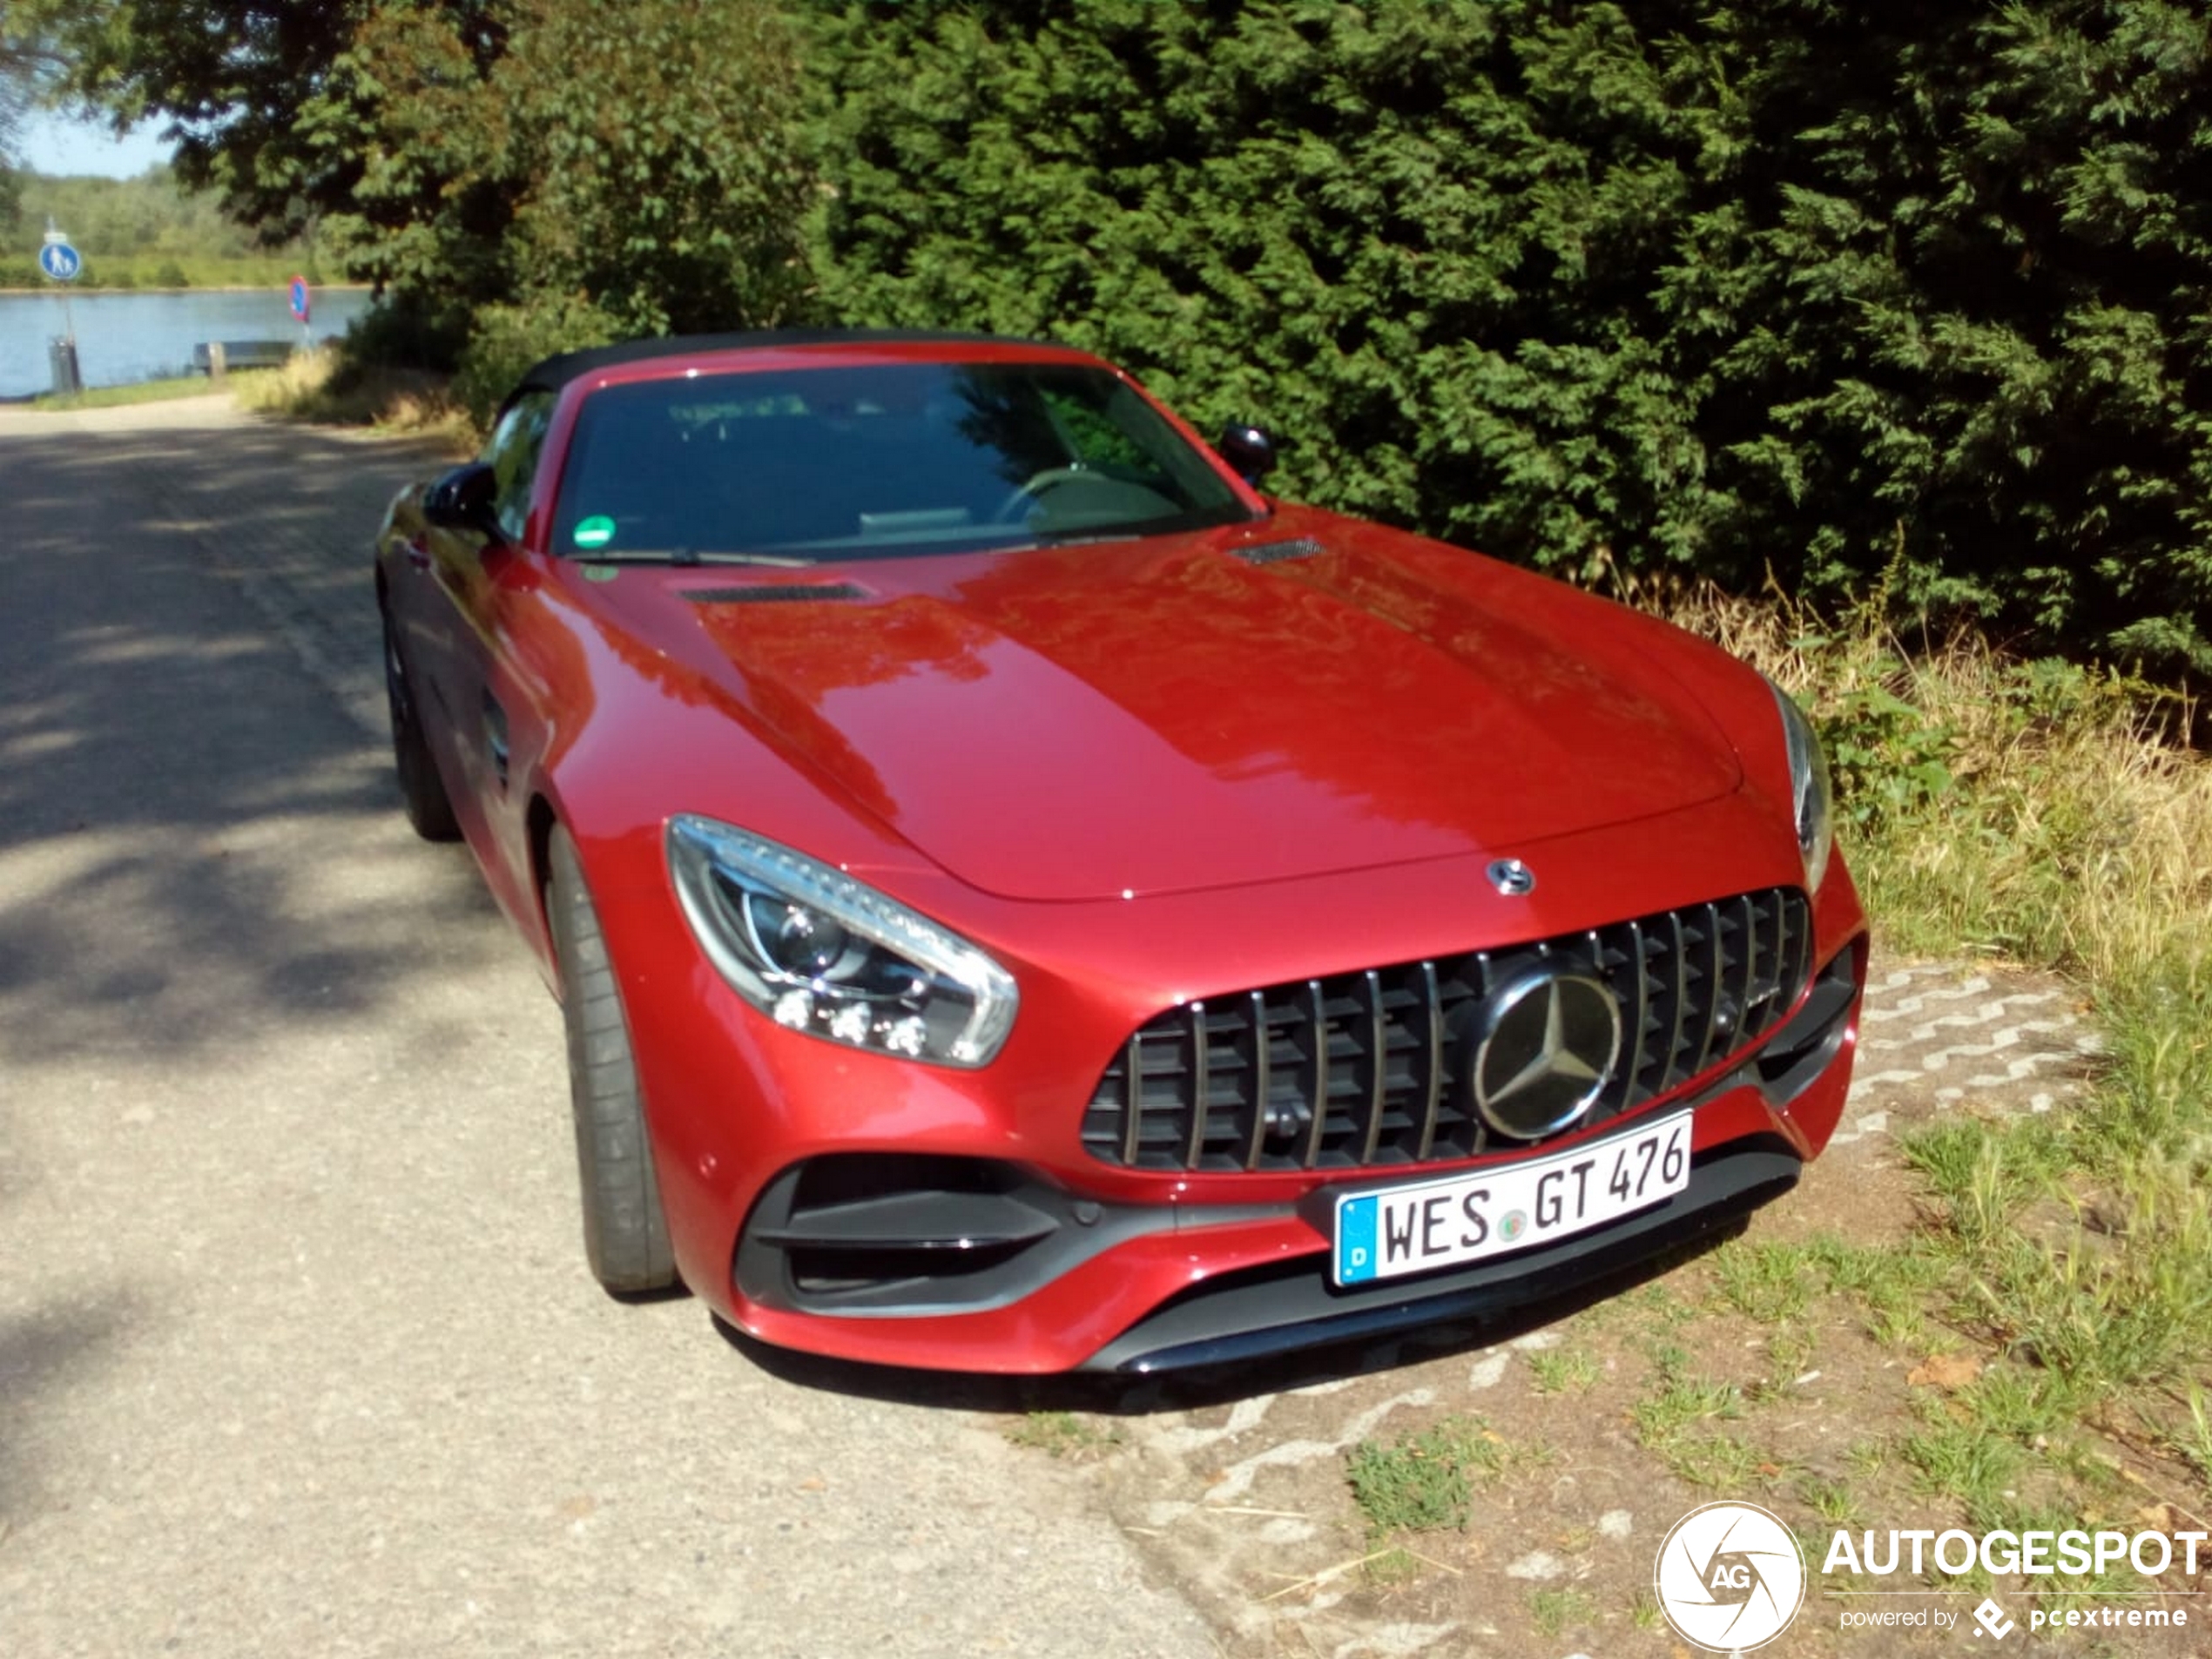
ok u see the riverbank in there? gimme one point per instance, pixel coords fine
(129, 336)
(149, 289)
(109, 397)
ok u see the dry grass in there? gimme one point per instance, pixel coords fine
(2048, 814)
(321, 387)
(2035, 810)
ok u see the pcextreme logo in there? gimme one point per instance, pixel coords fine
(1729, 1577)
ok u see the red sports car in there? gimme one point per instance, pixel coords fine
(1020, 899)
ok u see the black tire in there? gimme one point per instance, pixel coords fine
(625, 1234)
(423, 791)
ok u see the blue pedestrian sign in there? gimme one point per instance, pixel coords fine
(60, 262)
(299, 298)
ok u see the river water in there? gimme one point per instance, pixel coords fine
(126, 337)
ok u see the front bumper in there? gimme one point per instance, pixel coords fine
(942, 1247)
(842, 1203)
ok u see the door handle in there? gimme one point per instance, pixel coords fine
(418, 553)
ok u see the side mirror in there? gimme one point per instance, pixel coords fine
(1248, 449)
(464, 499)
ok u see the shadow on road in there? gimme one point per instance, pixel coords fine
(40, 1351)
(179, 804)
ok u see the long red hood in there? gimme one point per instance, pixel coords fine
(1165, 715)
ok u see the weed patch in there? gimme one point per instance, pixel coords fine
(1425, 1481)
(1553, 1611)
(1062, 1434)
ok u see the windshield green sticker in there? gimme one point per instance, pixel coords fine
(596, 531)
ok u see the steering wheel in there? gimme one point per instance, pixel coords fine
(1022, 501)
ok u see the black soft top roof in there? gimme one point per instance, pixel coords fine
(556, 372)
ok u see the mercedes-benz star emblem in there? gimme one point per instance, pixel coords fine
(1512, 878)
(1544, 1046)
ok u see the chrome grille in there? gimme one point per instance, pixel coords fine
(1370, 1069)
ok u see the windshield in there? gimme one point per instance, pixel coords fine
(858, 462)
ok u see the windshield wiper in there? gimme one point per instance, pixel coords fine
(687, 556)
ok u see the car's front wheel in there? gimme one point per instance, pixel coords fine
(424, 794)
(625, 1233)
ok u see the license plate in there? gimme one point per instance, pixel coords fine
(1513, 1206)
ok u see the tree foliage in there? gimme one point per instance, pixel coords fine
(603, 166)
(25, 64)
(1816, 288)
(147, 217)
(1856, 297)
(244, 86)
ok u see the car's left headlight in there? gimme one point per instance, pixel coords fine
(820, 953)
(1811, 797)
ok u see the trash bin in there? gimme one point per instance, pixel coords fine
(62, 355)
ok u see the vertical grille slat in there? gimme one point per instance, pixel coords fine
(1432, 1060)
(1367, 1067)
(1316, 1099)
(1635, 1007)
(1716, 988)
(1746, 934)
(1133, 1072)
(1678, 954)
(1201, 1091)
(1376, 1037)
(1263, 1082)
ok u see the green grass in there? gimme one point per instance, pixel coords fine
(1833, 1500)
(2039, 812)
(1960, 1461)
(1569, 1370)
(105, 397)
(1769, 1283)
(1553, 1611)
(1062, 1434)
(1425, 1481)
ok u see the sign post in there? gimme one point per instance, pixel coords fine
(301, 305)
(64, 264)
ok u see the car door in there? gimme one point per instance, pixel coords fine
(488, 581)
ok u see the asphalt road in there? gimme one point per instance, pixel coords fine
(298, 1354)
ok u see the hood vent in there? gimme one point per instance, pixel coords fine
(774, 593)
(1303, 547)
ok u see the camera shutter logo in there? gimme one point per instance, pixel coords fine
(1729, 1577)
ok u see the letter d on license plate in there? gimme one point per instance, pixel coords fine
(1509, 1206)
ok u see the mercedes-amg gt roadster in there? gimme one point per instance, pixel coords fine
(1021, 898)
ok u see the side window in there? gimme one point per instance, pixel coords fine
(512, 455)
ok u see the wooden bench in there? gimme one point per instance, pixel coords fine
(214, 357)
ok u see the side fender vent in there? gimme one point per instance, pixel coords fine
(775, 593)
(1303, 547)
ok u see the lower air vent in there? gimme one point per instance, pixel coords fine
(889, 1233)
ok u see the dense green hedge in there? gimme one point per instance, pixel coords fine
(1842, 293)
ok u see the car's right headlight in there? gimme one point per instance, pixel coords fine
(1811, 796)
(820, 953)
